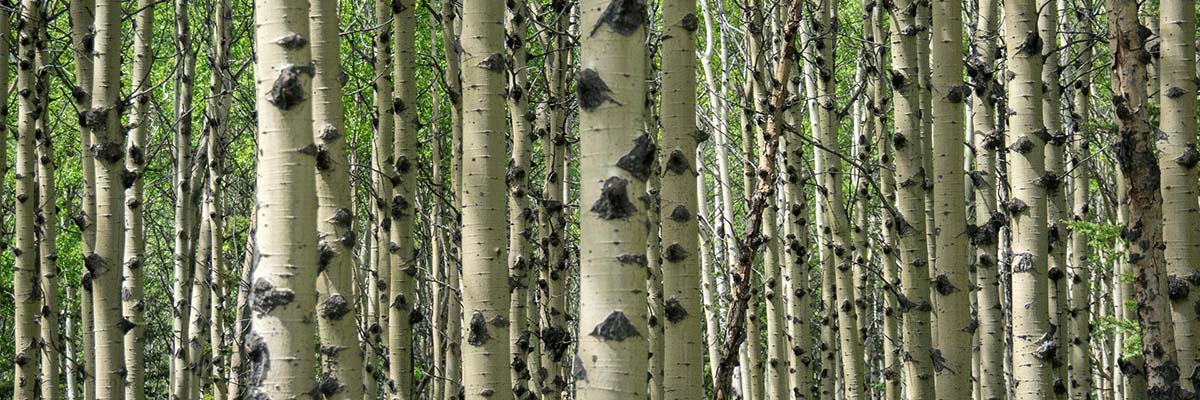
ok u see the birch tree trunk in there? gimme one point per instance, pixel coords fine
(46, 223)
(1081, 370)
(402, 251)
(184, 206)
(382, 166)
(82, 13)
(521, 218)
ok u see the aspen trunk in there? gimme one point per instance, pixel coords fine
(485, 271)
(520, 215)
(951, 357)
(1080, 363)
(683, 359)
(341, 363)
(989, 219)
(796, 261)
(108, 143)
(45, 221)
(1034, 344)
(909, 218)
(283, 296)
(1056, 211)
(135, 231)
(26, 355)
(82, 14)
(217, 123)
(450, 42)
(1177, 159)
(184, 206)
(403, 297)
(382, 165)
(617, 156)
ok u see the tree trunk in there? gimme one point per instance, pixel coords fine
(199, 348)
(909, 218)
(46, 223)
(989, 219)
(520, 215)
(218, 130)
(1143, 231)
(1034, 344)
(283, 296)
(82, 13)
(617, 157)
(485, 269)
(1081, 370)
(382, 165)
(683, 359)
(135, 232)
(184, 206)
(404, 269)
(453, 317)
(1177, 158)
(951, 358)
(25, 253)
(341, 363)
(108, 142)
(1056, 210)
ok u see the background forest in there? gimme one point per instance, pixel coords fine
(754, 199)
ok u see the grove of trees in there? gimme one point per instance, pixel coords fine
(599, 199)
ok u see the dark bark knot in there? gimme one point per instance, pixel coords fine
(677, 162)
(943, 286)
(623, 17)
(593, 91)
(680, 214)
(1177, 289)
(615, 327)
(675, 253)
(674, 311)
(689, 22)
(639, 161)
(477, 333)
(634, 259)
(266, 297)
(335, 307)
(1021, 145)
(494, 63)
(614, 200)
(292, 42)
(288, 90)
(1189, 157)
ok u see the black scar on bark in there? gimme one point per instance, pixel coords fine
(680, 214)
(1022, 262)
(265, 296)
(1174, 92)
(335, 307)
(324, 161)
(674, 311)
(639, 161)
(325, 254)
(615, 327)
(259, 357)
(943, 286)
(614, 200)
(689, 22)
(578, 370)
(494, 63)
(292, 42)
(1022, 145)
(636, 259)
(677, 162)
(288, 91)
(1177, 289)
(957, 94)
(125, 325)
(1032, 45)
(623, 16)
(675, 253)
(1189, 158)
(109, 153)
(477, 333)
(592, 90)
(939, 362)
(342, 217)
(1048, 349)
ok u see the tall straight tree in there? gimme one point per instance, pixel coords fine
(1143, 230)
(908, 221)
(5, 48)
(683, 359)
(1034, 343)
(25, 253)
(951, 357)
(218, 127)
(453, 317)
(46, 225)
(1056, 202)
(616, 160)
(108, 146)
(485, 269)
(135, 230)
(283, 290)
(402, 301)
(82, 13)
(520, 215)
(185, 206)
(1177, 158)
(382, 165)
(341, 362)
(1080, 362)
(988, 217)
